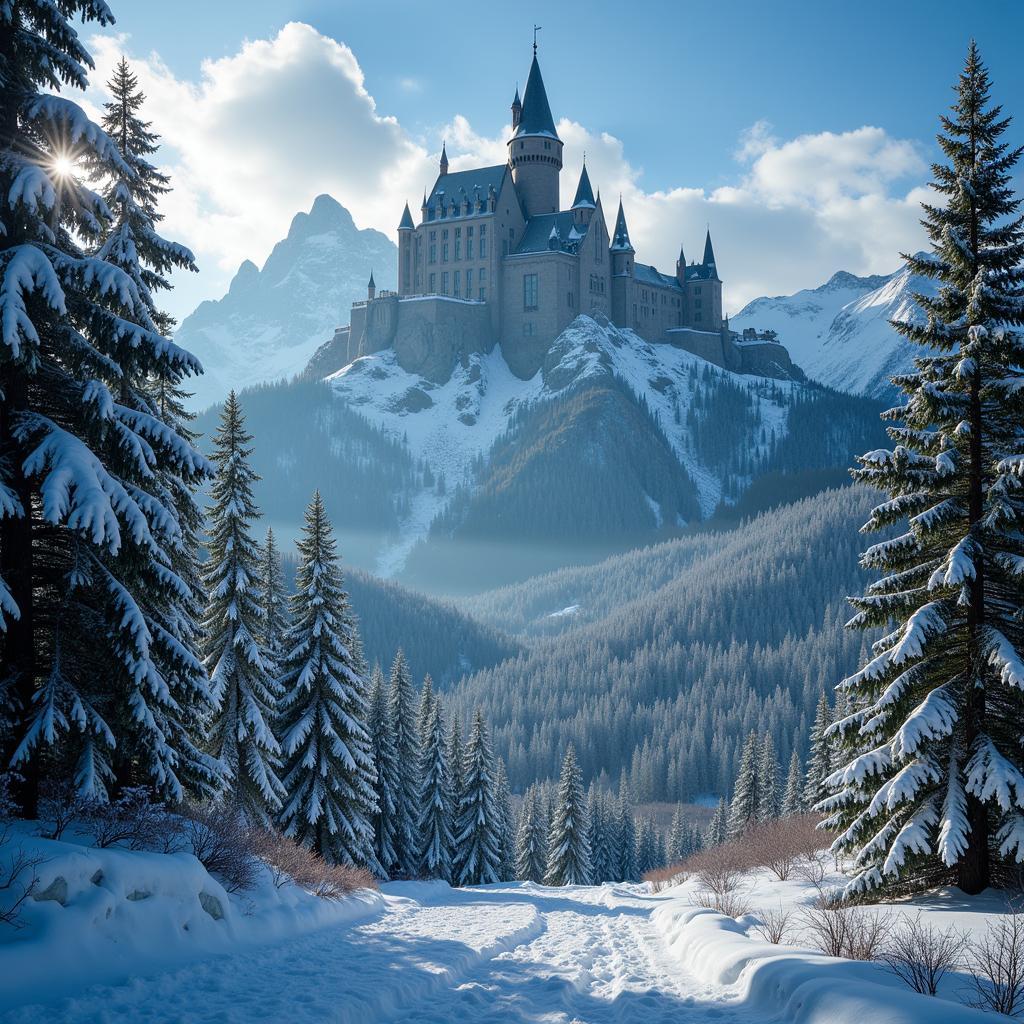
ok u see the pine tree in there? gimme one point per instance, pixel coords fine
(401, 699)
(792, 800)
(531, 839)
(328, 759)
(477, 838)
(768, 802)
(99, 671)
(435, 823)
(746, 799)
(246, 694)
(506, 823)
(818, 757)
(678, 838)
(718, 829)
(426, 710)
(601, 867)
(625, 827)
(385, 787)
(568, 845)
(274, 601)
(940, 700)
(455, 772)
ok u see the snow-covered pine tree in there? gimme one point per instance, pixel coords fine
(531, 839)
(328, 759)
(426, 710)
(768, 797)
(86, 524)
(718, 828)
(625, 839)
(819, 754)
(386, 772)
(435, 823)
(274, 599)
(568, 843)
(242, 732)
(646, 846)
(477, 830)
(678, 838)
(402, 715)
(601, 868)
(456, 753)
(506, 824)
(746, 799)
(792, 799)
(941, 699)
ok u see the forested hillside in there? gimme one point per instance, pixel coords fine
(663, 659)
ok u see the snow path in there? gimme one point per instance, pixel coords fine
(512, 953)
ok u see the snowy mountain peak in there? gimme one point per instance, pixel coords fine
(272, 318)
(840, 333)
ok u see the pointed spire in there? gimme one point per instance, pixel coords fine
(444, 158)
(370, 283)
(620, 238)
(517, 109)
(709, 254)
(406, 224)
(371, 288)
(536, 118)
(584, 193)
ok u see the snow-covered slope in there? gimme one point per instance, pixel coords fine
(271, 320)
(451, 427)
(839, 333)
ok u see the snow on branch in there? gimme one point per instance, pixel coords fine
(26, 271)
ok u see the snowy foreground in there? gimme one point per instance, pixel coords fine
(167, 943)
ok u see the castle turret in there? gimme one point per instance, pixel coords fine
(535, 150)
(621, 248)
(444, 160)
(405, 241)
(371, 289)
(709, 257)
(583, 205)
(681, 267)
(517, 110)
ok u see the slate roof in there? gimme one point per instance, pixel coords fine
(537, 236)
(536, 118)
(646, 274)
(620, 236)
(452, 185)
(406, 221)
(584, 193)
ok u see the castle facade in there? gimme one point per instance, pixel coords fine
(494, 260)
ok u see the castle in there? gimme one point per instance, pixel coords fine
(494, 260)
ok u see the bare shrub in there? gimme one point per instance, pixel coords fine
(719, 873)
(850, 932)
(60, 806)
(222, 841)
(996, 962)
(811, 869)
(775, 924)
(922, 955)
(781, 844)
(664, 878)
(18, 876)
(133, 819)
(289, 860)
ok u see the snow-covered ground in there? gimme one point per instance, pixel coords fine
(424, 953)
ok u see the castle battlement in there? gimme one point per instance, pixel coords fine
(493, 260)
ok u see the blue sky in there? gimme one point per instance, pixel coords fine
(678, 88)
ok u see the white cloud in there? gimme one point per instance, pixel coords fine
(267, 129)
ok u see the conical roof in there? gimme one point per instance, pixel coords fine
(620, 237)
(536, 118)
(584, 193)
(709, 253)
(406, 222)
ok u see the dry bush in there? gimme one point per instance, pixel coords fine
(922, 954)
(775, 924)
(996, 962)
(664, 878)
(850, 932)
(783, 844)
(289, 861)
(18, 876)
(132, 819)
(719, 872)
(222, 842)
(60, 806)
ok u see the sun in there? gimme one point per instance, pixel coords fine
(63, 166)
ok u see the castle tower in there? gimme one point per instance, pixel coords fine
(444, 160)
(535, 150)
(406, 228)
(681, 267)
(709, 257)
(517, 110)
(621, 248)
(371, 289)
(704, 292)
(584, 205)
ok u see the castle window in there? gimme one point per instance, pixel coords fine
(458, 244)
(433, 246)
(483, 294)
(547, 145)
(481, 275)
(469, 281)
(696, 290)
(483, 241)
(432, 287)
(444, 252)
(444, 283)
(528, 329)
(571, 304)
(457, 291)
(696, 303)
(529, 291)
(696, 317)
